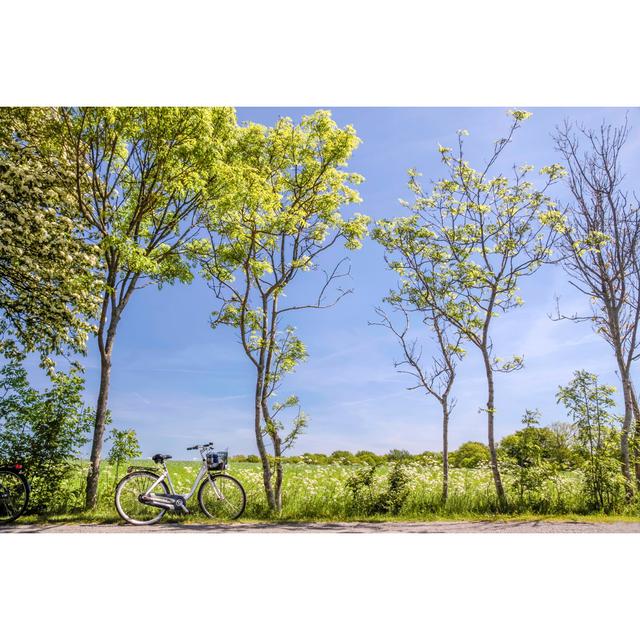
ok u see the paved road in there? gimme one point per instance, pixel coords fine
(486, 526)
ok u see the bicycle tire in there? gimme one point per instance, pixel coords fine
(11, 510)
(131, 498)
(213, 505)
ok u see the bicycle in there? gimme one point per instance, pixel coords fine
(143, 496)
(14, 492)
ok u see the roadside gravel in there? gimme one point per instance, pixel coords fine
(482, 526)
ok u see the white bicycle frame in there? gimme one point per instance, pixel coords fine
(165, 475)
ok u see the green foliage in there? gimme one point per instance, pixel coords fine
(470, 455)
(48, 290)
(361, 487)
(532, 454)
(531, 418)
(396, 455)
(368, 457)
(590, 405)
(533, 446)
(320, 492)
(467, 243)
(315, 458)
(289, 190)
(343, 457)
(150, 169)
(369, 499)
(124, 447)
(44, 431)
(429, 458)
(397, 489)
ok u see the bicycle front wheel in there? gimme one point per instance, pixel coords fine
(222, 497)
(14, 496)
(128, 493)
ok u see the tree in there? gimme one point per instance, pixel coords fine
(48, 289)
(43, 430)
(533, 453)
(470, 455)
(589, 404)
(601, 253)
(531, 417)
(368, 457)
(124, 447)
(343, 457)
(437, 381)
(288, 213)
(481, 235)
(554, 444)
(396, 455)
(141, 177)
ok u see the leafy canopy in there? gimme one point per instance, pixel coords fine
(48, 289)
(468, 241)
(289, 189)
(143, 174)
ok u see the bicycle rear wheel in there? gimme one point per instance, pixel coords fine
(128, 492)
(222, 497)
(14, 496)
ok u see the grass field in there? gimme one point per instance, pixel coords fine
(314, 492)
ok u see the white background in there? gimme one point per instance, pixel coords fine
(340, 53)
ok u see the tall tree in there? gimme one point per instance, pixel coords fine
(48, 289)
(408, 253)
(485, 234)
(141, 177)
(601, 252)
(590, 404)
(290, 192)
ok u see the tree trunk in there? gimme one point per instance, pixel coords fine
(627, 393)
(266, 467)
(624, 438)
(445, 452)
(277, 448)
(636, 436)
(102, 407)
(495, 470)
(277, 453)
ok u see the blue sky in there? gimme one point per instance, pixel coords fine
(178, 382)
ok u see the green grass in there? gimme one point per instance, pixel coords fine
(319, 493)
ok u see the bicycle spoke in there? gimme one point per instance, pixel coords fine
(222, 497)
(13, 500)
(129, 492)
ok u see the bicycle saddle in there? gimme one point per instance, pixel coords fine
(159, 458)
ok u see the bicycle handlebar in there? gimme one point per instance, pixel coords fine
(200, 446)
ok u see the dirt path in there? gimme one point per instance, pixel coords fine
(485, 526)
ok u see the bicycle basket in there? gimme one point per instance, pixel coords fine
(217, 460)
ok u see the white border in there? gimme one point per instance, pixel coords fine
(463, 53)
(334, 52)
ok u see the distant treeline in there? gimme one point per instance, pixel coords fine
(553, 444)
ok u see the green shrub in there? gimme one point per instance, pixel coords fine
(370, 500)
(597, 439)
(343, 457)
(368, 457)
(315, 458)
(398, 454)
(429, 458)
(124, 447)
(470, 455)
(45, 431)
